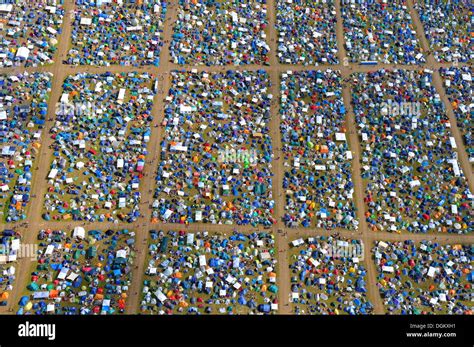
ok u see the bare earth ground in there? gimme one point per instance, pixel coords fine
(34, 222)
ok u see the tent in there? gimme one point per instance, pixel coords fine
(273, 288)
(53, 294)
(77, 282)
(41, 295)
(91, 252)
(23, 53)
(33, 286)
(23, 301)
(79, 232)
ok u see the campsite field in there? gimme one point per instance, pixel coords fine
(317, 183)
(216, 33)
(9, 249)
(425, 278)
(415, 182)
(216, 160)
(79, 273)
(24, 100)
(106, 34)
(100, 137)
(328, 276)
(202, 273)
(33, 30)
(223, 197)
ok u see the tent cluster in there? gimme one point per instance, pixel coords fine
(214, 32)
(23, 109)
(328, 276)
(317, 159)
(459, 88)
(100, 145)
(29, 32)
(199, 273)
(215, 164)
(307, 32)
(80, 273)
(381, 31)
(107, 33)
(9, 252)
(425, 278)
(448, 27)
(409, 159)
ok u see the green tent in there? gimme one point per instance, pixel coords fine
(91, 252)
(33, 286)
(273, 288)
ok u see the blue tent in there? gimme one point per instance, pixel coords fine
(23, 301)
(242, 300)
(77, 282)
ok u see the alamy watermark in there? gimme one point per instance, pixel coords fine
(393, 108)
(76, 108)
(24, 251)
(231, 155)
(37, 330)
(346, 250)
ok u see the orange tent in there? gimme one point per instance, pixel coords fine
(324, 149)
(53, 294)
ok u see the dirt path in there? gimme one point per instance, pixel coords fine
(154, 149)
(275, 69)
(282, 235)
(42, 163)
(373, 294)
(359, 193)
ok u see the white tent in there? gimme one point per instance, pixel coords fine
(79, 232)
(53, 173)
(159, 294)
(86, 21)
(6, 7)
(23, 52)
(122, 253)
